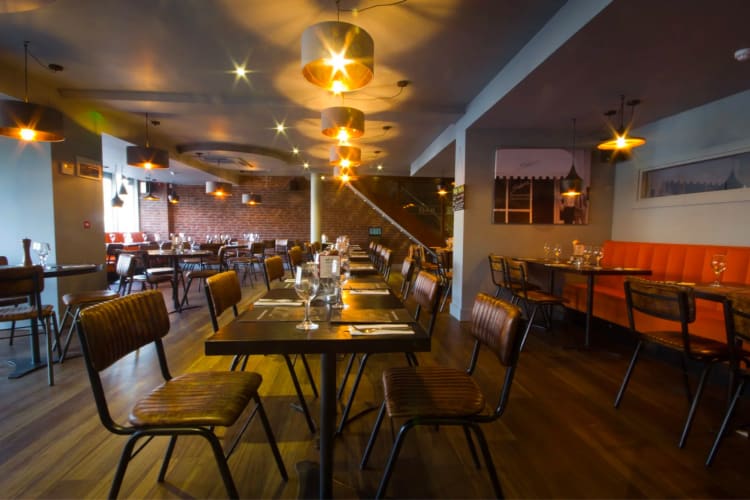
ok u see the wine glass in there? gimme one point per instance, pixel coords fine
(719, 265)
(547, 250)
(598, 253)
(112, 237)
(42, 250)
(557, 252)
(157, 239)
(587, 252)
(306, 284)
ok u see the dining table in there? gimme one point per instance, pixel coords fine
(174, 256)
(373, 320)
(24, 366)
(590, 272)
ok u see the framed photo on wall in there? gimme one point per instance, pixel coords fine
(527, 186)
(88, 169)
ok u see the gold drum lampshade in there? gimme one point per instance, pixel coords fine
(337, 56)
(342, 123)
(30, 122)
(345, 156)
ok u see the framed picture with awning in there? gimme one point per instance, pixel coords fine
(528, 186)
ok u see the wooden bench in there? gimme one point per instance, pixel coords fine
(683, 263)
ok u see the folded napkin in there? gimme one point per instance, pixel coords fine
(381, 329)
(278, 302)
(369, 291)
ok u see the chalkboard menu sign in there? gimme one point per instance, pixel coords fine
(458, 198)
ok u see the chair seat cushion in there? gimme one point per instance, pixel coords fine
(699, 346)
(22, 312)
(540, 297)
(197, 399)
(159, 270)
(430, 391)
(90, 297)
(201, 273)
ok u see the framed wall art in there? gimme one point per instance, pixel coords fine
(527, 186)
(88, 169)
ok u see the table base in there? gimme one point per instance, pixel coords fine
(24, 366)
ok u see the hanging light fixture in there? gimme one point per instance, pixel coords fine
(345, 156)
(442, 190)
(172, 196)
(146, 156)
(28, 121)
(342, 123)
(218, 189)
(337, 56)
(149, 195)
(621, 140)
(251, 199)
(572, 184)
(123, 190)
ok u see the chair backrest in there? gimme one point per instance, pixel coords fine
(3, 260)
(738, 325)
(407, 273)
(495, 326)
(667, 301)
(125, 266)
(385, 262)
(516, 276)
(497, 270)
(274, 267)
(426, 293)
(223, 291)
(113, 329)
(22, 280)
(295, 256)
(256, 249)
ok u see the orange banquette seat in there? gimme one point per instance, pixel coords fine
(682, 263)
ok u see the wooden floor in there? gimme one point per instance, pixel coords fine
(560, 437)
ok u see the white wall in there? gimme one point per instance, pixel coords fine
(715, 129)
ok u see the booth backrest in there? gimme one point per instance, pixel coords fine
(675, 261)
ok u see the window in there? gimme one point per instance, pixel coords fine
(125, 218)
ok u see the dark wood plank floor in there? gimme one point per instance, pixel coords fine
(560, 436)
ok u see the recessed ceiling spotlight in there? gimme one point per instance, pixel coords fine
(742, 55)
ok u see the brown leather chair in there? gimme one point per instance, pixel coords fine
(444, 396)
(28, 282)
(223, 292)
(125, 268)
(529, 297)
(407, 275)
(75, 302)
(296, 257)
(273, 267)
(11, 301)
(677, 304)
(426, 294)
(192, 404)
(445, 271)
(737, 315)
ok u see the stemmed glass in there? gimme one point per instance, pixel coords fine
(598, 254)
(43, 250)
(112, 237)
(157, 239)
(547, 250)
(719, 265)
(306, 284)
(557, 252)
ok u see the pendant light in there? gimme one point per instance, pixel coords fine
(172, 196)
(251, 199)
(442, 190)
(149, 196)
(571, 184)
(621, 140)
(27, 121)
(218, 189)
(123, 190)
(345, 156)
(337, 56)
(146, 156)
(342, 123)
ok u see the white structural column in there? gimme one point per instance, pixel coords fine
(316, 186)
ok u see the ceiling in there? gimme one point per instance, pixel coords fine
(173, 60)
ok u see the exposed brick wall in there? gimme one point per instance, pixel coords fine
(284, 213)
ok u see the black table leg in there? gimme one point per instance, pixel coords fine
(327, 417)
(589, 306)
(25, 366)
